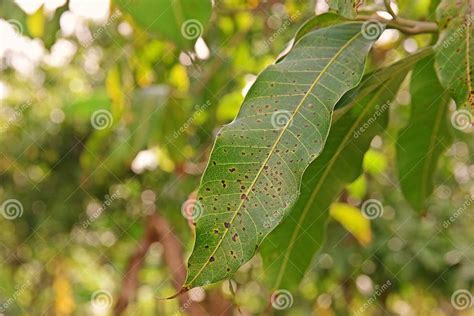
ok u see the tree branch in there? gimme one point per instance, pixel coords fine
(406, 26)
(157, 230)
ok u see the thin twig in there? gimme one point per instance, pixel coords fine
(404, 25)
(388, 6)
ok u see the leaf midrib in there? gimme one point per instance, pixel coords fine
(316, 81)
(319, 185)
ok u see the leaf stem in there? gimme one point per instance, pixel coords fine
(406, 26)
(389, 9)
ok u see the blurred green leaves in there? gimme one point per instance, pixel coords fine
(426, 136)
(180, 21)
(346, 8)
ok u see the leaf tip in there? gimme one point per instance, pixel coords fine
(183, 290)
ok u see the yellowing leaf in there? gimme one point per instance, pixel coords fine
(375, 162)
(358, 188)
(113, 85)
(36, 22)
(64, 300)
(179, 78)
(352, 220)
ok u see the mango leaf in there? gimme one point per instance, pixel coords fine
(455, 50)
(353, 221)
(314, 23)
(289, 249)
(378, 77)
(426, 136)
(179, 21)
(319, 21)
(256, 165)
(346, 8)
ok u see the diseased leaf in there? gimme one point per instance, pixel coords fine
(289, 249)
(427, 135)
(180, 21)
(347, 8)
(353, 221)
(455, 50)
(256, 165)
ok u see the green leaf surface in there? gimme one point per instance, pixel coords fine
(180, 21)
(346, 8)
(455, 50)
(426, 136)
(377, 77)
(289, 249)
(319, 21)
(314, 23)
(256, 165)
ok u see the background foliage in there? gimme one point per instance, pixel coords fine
(107, 121)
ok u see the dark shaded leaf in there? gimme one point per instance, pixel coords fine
(427, 135)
